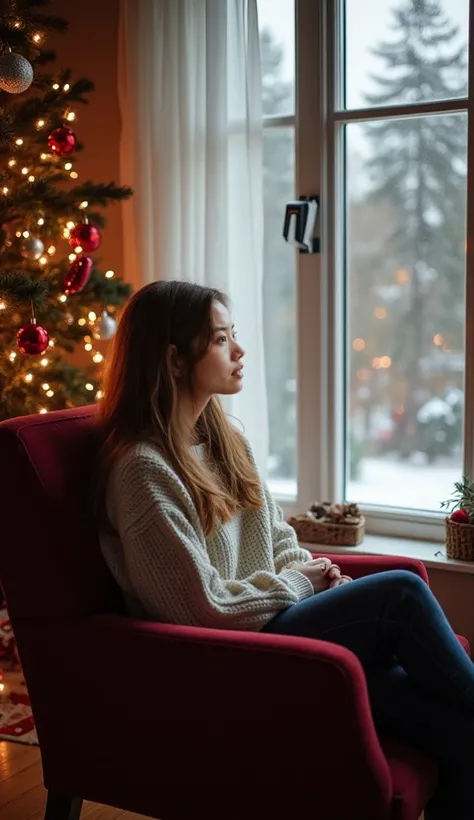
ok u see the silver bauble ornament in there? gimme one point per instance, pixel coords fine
(104, 327)
(31, 248)
(16, 73)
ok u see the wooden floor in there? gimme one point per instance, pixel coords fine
(22, 794)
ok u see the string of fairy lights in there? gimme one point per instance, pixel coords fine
(60, 142)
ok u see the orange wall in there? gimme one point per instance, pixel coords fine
(89, 49)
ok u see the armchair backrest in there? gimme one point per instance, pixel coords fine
(50, 561)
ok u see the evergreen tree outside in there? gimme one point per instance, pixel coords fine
(417, 175)
(42, 207)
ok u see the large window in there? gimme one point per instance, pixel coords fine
(370, 356)
(277, 44)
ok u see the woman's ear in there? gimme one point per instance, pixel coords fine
(174, 362)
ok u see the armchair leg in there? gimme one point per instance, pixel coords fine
(62, 807)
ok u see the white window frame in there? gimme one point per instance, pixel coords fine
(321, 331)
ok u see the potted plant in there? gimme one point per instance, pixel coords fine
(460, 521)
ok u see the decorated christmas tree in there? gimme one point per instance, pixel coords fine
(54, 298)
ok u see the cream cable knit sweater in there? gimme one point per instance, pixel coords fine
(240, 577)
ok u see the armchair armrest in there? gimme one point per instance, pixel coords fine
(359, 565)
(263, 710)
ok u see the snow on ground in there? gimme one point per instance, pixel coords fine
(393, 483)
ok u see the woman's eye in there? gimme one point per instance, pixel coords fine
(222, 339)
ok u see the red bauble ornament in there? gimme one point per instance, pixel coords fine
(77, 275)
(460, 516)
(85, 236)
(32, 339)
(62, 141)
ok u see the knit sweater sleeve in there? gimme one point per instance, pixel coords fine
(166, 558)
(286, 550)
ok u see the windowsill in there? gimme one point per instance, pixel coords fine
(431, 553)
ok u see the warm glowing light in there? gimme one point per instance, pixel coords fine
(357, 344)
(51, 342)
(402, 276)
(40, 123)
(98, 357)
(84, 204)
(89, 386)
(92, 316)
(50, 394)
(31, 178)
(18, 234)
(17, 24)
(44, 362)
(29, 377)
(19, 141)
(3, 305)
(5, 190)
(78, 250)
(66, 233)
(12, 162)
(376, 363)
(88, 347)
(45, 386)
(438, 339)
(109, 274)
(62, 298)
(44, 156)
(55, 86)
(12, 356)
(380, 313)
(24, 171)
(2, 687)
(36, 37)
(99, 394)
(71, 116)
(43, 410)
(385, 361)
(51, 250)
(363, 374)
(68, 166)
(74, 175)
(70, 225)
(43, 260)
(66, 87)
(81, 322)
(72, 257)
(41, 221)
(26, 234)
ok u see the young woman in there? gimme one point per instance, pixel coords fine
(193, 536)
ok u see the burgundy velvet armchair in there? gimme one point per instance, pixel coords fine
(175, 722)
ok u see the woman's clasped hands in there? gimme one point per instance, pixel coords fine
(323, 574)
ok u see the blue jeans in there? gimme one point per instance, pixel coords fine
(420, 679)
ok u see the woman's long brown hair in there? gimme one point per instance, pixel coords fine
(140, 400)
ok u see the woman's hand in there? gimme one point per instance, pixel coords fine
(323, 574)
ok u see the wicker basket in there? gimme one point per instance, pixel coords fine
(459, 540)
(315, 531)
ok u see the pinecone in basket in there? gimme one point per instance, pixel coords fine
(335, 513)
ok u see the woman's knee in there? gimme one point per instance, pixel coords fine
(403, 581)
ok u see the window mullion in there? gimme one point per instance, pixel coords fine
(312, 411)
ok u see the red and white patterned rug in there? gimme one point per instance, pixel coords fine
(16, 719)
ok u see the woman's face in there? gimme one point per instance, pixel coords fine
(220, 370)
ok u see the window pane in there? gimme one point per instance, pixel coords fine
(277, 49)
(405, 201)
(279, 304)
(405, 51)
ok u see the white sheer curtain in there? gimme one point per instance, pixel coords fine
(190, 95)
